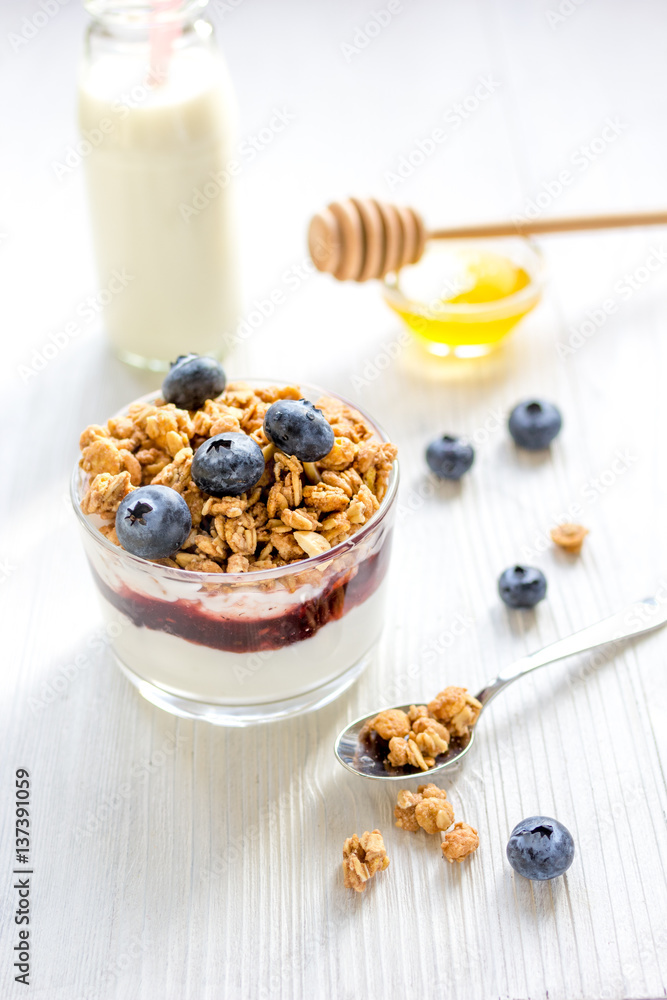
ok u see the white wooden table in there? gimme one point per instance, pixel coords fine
(174, 860)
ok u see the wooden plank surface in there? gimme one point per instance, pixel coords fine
(176, 860)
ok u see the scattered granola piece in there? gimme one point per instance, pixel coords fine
(569, 537)
(461, 841)
(404, 810)
(427, 808)
(391, 723)
(434, 813)
(362, 858)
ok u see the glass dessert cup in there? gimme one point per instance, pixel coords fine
(465, 329)
(241, 648)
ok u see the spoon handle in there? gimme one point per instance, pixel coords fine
(642, 616)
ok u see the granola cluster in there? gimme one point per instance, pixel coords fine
(296, 510)
(420, 735)
(459, 842)
(362, 858)
(569, 537)
(429, 809)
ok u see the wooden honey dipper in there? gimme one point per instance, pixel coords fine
(361, 238)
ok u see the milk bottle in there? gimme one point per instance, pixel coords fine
(157, 110)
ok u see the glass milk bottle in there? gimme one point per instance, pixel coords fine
(157, 109)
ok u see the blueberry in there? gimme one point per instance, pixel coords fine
(192, 380)
(153, 522)
(298, 428)
(228, 464)
(534, 424)
(522, 586)
(449, 457)
(540, 848)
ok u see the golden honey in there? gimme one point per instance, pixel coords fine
(464, 298)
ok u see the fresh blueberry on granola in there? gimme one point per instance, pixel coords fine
(522, 586)
(298, 428)
(449, 457)
(192, 380)
(228, 465)
(153, 522)
(534, 424)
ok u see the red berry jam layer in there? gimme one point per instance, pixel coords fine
(189, 620)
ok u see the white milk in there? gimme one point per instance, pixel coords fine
(161, 202)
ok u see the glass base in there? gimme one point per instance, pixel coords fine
(246, 715)
(152, 364)
(459, 350)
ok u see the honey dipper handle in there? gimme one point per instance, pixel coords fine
(571, 224)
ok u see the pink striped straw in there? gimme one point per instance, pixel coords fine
(162, 35)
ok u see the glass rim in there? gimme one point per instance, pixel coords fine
(248, 578)
(473, 311)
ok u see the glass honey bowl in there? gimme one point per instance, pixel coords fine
(465, 296)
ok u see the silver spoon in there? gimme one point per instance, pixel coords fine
(360, 758)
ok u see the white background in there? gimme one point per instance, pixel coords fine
(216, 871)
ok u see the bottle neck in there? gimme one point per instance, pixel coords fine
(134, 15)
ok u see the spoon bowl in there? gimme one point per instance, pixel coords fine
(363, 752)
(366, 756)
